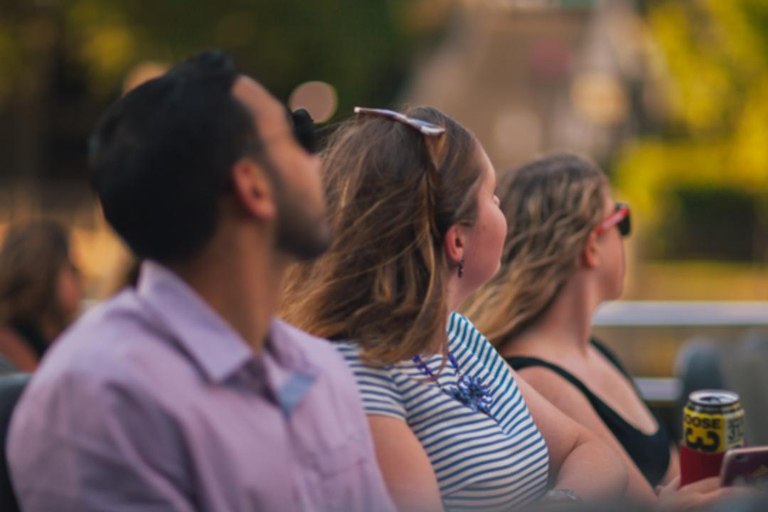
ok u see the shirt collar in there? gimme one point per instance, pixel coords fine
(289, 371)
(212, 343)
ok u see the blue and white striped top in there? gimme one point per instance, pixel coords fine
(481, 462)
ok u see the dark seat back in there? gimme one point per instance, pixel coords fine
(698, 366)
(11, 387)
(747, 373)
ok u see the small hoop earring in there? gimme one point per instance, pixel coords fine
(461, 268)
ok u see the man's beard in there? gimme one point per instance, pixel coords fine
(298, 232)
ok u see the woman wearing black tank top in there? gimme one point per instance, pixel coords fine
(563, 257)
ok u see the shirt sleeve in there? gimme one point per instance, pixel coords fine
(379, 391)
(88, 446)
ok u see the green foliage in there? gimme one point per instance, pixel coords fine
(63, 61)
(715, 54)
(363, 48)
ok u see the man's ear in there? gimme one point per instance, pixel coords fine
(590, 254)
(254, 189)
(454, 244)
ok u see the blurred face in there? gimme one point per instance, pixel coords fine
(612, 261)
(301, 229)
(69, 290)
(484, 240)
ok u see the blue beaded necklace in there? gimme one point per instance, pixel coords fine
(470, 391)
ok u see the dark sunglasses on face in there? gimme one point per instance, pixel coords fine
(619, 218)
(303, 128)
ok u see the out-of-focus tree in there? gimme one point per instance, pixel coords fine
(701, 183)
(62, 61)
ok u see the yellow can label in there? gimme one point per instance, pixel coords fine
(712, 433)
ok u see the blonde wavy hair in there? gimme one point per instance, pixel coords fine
(552, 204)
(382, 283)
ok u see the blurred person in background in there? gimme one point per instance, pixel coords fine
(417, 229)
(564, 256)
(40, 291)
(183, 393)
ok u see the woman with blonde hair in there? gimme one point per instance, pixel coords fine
(417, 230)
(563, 257)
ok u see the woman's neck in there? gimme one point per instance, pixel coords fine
(565, 328)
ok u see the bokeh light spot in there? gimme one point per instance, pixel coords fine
(319, 98)
(600, 99)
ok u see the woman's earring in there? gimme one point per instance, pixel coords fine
(461, 268)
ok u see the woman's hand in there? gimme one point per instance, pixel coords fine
(698, 494)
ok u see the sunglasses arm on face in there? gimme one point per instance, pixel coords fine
(620, 218)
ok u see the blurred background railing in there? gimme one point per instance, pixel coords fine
(633, 314)
(648, 335)
(675, 347)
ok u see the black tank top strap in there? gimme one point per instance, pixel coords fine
(611, 357)
(649, 452)
(522, 362)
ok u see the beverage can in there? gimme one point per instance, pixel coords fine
(713, 422)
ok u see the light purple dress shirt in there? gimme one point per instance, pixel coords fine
(152, 402)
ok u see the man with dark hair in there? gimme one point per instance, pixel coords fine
(184, 393)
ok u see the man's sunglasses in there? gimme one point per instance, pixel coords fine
(303, 128)
(619, 218)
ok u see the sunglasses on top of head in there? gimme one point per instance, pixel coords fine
(619, 218)
(432, 133)
(433, 136)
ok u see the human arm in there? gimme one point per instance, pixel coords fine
(670, 496)
(568, 399)
(673, 470)
(698, 495)
(578, 459)
(405, 466)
